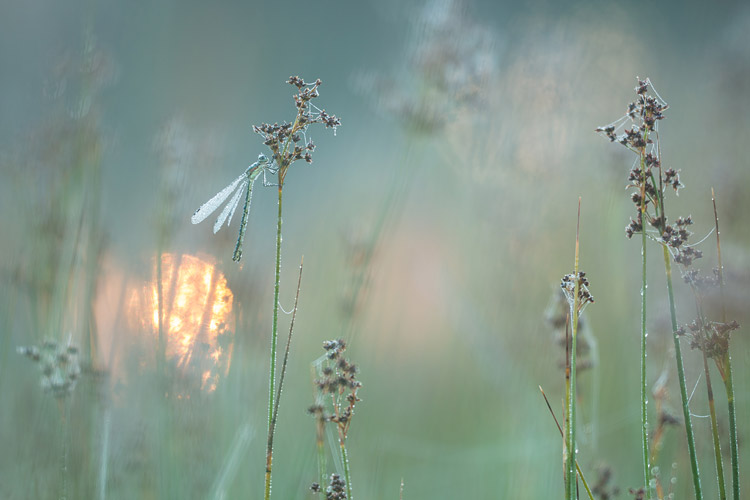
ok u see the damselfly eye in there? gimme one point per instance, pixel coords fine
(262, 158)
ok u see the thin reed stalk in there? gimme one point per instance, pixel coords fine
(660, 207)
(714, 432)
(578, 467)
(732, 428)
(644, 333)
(284, 364)
(274, 338)
(570, 457)
(345, 463)
(644, 114)
(726, 362)
(681, 377)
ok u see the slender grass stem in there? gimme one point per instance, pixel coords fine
(284, 363)
(644, 333)
(732, 428)
(715, 432)
(101, 482)
(711, 404)
(566, 421)
(726, 374)
(274, 338)
(681, 377)
(644, 379)
(345, 462)
(572, 490)
(578, 467)
(63, 406)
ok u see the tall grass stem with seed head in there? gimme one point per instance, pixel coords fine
(576, 305)
(571, 458)
(336, 386)
(279, 139)
(644, 114)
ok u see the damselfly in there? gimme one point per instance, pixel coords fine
(245, 183)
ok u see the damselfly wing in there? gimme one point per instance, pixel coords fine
(242, 184)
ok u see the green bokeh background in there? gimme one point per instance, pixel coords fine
(450, 335)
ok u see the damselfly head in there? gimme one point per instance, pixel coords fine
(262, 158)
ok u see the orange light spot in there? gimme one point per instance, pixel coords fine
(196, 309)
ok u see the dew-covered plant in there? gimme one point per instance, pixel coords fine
(336, 397)
(643, 115)
(287, 142)
(649, 181)
(575, 288)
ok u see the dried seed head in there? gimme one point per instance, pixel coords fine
(58, 365)
(337, 387)
(279, 138)
(568, 285)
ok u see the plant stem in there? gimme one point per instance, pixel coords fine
(644, 333)
(711, 405)
(732, 428)
(681, 378)
(345, 462)
(572, 490)
(578, 467)
(715, 431)
(104, 456)
(274, 337)
(726, 374)
(284, 363)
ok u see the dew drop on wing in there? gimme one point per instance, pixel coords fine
(228, 211)
(211, 205)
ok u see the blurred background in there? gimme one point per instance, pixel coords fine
(435, 226)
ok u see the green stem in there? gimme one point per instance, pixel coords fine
(711, 403)
(274, 336)
(726, 363)
(64, 434)
(578, 467)
(681, 377)
(571, 483)
(714, 431)
(732, 429)
(644, 335)
(345, 462)
(644, 332)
